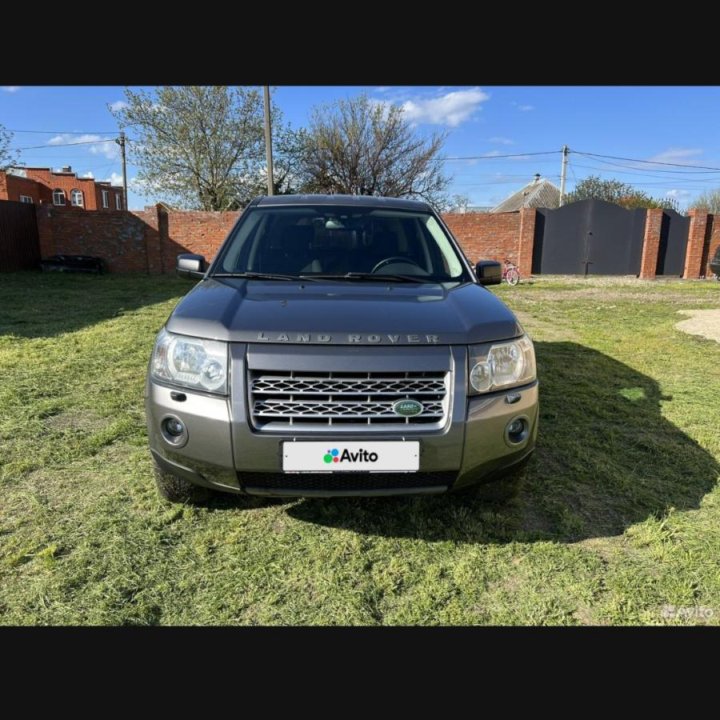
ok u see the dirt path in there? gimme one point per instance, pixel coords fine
(705, 323)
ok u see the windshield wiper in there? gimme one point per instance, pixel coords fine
(368, 276)
(262, 276)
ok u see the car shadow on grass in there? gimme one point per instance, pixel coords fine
(35, 304)
(606, 459)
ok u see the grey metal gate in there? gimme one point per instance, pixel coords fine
(589, 237)
(19, 244)
(673, 244)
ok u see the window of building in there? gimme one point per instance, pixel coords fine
(76, 198)
(58, 197)
(118, 201)
(105, 198)
(26, 199)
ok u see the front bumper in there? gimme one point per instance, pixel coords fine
(224, 452)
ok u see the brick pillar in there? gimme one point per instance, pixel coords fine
(696, 244)
(526, 241)
(651, 243)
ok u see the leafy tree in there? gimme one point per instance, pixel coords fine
(615, 191)
(362, 147)
(708, 201)
(8, 157)
(199, 147)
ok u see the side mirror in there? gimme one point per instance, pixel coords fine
(489, 272)
(190, 266)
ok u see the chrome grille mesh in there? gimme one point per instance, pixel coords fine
(335, 398)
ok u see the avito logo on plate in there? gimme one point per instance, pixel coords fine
(336, 456)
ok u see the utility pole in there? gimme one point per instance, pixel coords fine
(268, 142)
(563, 173)
(121, 142)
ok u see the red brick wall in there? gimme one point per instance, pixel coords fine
(149, 240)
(68, 182)
(118, 237)
(13, 186)
(488, 236)
(197, 232)
(143, 241)
(113, 192)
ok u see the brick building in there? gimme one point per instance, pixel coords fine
(63, 189)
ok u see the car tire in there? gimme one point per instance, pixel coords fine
(177, 489)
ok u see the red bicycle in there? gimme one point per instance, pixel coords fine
(511, 274)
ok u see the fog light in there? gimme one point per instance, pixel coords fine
(174, 427)
(173, 430)
(517, 431)
(514, 427)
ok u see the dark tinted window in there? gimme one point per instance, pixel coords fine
(337, 240)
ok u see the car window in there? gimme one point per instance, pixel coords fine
(338, 240)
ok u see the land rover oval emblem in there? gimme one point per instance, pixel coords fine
(407, 408)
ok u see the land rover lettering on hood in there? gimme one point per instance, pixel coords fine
(338, 345)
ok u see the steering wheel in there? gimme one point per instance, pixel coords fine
(389, 260)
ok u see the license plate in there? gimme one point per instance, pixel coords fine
(351, 456)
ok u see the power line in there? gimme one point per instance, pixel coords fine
(64, 145)
(65, 132)
(650, 162)
(650, 174)
(500, 157)
(656, 170)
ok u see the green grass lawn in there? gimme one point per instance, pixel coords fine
(616, 516)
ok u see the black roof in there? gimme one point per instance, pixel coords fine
(357, 200)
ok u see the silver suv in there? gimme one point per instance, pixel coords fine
(338, 345)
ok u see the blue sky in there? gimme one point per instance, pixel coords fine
(664, 124)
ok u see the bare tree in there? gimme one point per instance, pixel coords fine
(8, 157)
(359, 146)
(198, 146)
(708, 201)
(457, 203)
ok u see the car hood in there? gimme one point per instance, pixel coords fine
(342, 313)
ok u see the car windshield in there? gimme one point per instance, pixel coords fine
(340, 242)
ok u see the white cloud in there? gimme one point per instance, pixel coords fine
(96, 144)
(677, 194)
(88, 175)
(135, 184)
(493, 153)
(383, 88)
(523, 108)
(118, 105)
(499, 140)
(451, 109)
(11, 88)
(682, 156)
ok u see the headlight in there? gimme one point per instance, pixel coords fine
(190, 362)
(501, 365)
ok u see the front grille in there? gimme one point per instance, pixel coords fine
(344, 482)
(282, 400)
